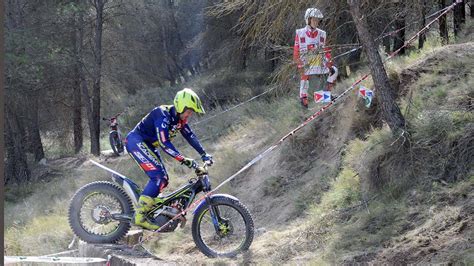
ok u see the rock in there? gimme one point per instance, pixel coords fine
(132, 238)
(260, 231)
(119, 254)
(43, 162)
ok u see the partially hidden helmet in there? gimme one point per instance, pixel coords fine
(312, 13)
(187, 98)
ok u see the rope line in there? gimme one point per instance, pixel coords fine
(233, 107)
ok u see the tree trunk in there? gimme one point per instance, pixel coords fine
(463, 12)
(86, 101)
(16, 166)
(399, 39)
(386, 96)
(270, 58)
(354, 58)
(471, 8)
(342, 68)
(242, 58)
(77, 115)
(458, 17)
(83, 87)
(386, 44)
(422, 36)
(94, 124)
(24, 115)
(178, 45)
(34, 137)
(171, 76)
(77, 37)
(16, 141)
(443, 26)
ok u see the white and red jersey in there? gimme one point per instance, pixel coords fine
(310, 52)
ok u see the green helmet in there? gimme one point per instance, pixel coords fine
(187, 98)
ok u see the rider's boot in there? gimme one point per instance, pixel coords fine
(145, 203)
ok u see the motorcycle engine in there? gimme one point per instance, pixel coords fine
(165, 214)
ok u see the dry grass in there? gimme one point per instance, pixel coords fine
(39, 236)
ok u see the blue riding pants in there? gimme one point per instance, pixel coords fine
(149, 159)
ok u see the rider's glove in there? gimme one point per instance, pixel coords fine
(207, 158)
(191, 163)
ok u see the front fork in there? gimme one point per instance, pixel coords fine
(215, 215)
(214, 211)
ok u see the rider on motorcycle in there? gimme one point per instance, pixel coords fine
(157, 129)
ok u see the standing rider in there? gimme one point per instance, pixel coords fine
(308, 53)
(157, 129)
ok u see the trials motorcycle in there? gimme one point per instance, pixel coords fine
(115, 137)
(102, 212)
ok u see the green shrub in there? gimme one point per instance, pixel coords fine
(346, 190)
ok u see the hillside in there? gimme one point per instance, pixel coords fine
(429, 221)
(343, 190)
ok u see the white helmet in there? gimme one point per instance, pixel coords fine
(312, 13)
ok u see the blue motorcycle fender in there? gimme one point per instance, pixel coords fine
(201, 204)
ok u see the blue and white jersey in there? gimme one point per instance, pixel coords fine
(161, 125)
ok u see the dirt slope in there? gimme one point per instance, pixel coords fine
(278, 187)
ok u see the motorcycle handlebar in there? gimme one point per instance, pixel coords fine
(113, 117)
(202, 170)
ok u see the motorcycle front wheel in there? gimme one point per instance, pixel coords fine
(229, 233)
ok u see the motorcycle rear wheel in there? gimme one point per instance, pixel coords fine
(116, 143)
(91, 210)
